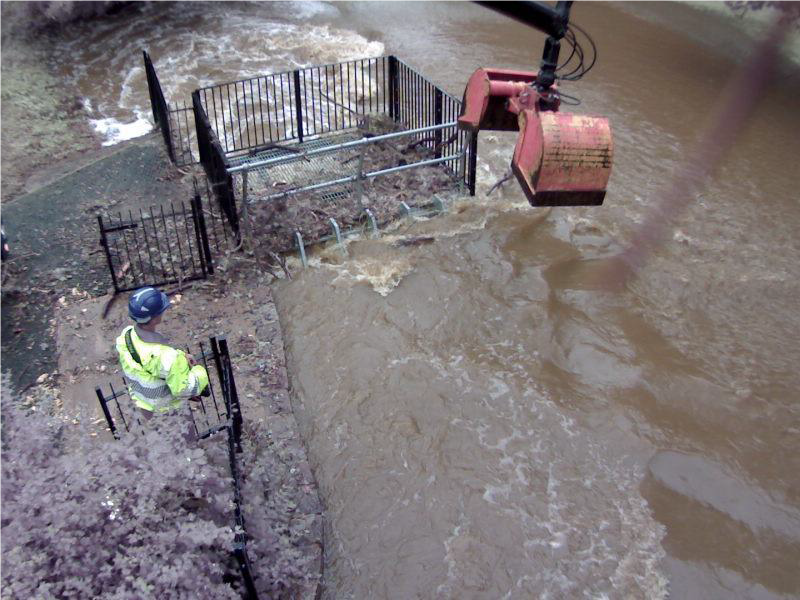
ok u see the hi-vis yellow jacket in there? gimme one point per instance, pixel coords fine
(164, 377)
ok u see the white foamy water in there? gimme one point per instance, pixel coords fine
(195, 45)
(115, 131)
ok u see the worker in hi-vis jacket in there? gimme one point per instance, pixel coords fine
(159, 376)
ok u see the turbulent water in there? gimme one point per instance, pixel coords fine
(485, 421)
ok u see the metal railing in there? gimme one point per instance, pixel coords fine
(358, 174)
(418, 103)
(215, 162)
(243, 118)
(250, 114)
(164, 245)
(353, 184)
(227, 419)
(184, 134)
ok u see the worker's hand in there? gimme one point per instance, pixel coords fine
(195, 399)
(192, 361)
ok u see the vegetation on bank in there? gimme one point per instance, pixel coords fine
(791, 7)
(110, 520)
(148, 516)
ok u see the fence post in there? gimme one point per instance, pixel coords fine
(115, 396)
(203, 142)
(202, 233)
(104, 244)
(214, 163)
(473, 162)
(218, 364)
(159, 105)
(359, 187)
(234, 395)
(248, 224)
(240, 552)
(222, 359)
(230, 199)
(107, 413)
(298, 105)
(394, 100)
(148, 68)
(438, 110)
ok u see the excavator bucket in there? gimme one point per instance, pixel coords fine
(563, 159)
(560, 159)
(486, 96)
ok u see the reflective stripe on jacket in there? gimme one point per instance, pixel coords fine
(163, 379)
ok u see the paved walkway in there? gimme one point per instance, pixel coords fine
(55, 245)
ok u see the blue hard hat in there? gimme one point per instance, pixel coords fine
(146, 303)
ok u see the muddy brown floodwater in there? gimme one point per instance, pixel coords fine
(484, 421)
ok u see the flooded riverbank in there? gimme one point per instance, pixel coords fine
(483, 420)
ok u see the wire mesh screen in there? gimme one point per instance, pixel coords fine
(183, 133)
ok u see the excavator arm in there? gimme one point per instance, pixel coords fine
(560, 159)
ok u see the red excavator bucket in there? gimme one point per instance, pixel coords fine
(485, 104)
(563, 159)
(560, 159)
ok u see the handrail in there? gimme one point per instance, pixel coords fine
(289, 72)
(343, 146)
(370, 175)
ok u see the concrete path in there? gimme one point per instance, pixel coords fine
(55, 245)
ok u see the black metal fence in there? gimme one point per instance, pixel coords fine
(249, 114)
(174, 121)
(416, 102)
(163, 245)
(158, 104)
(209, 415)
(220, 412)
(215, 163)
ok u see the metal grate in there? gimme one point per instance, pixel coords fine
(334, 196)
(298, 172)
